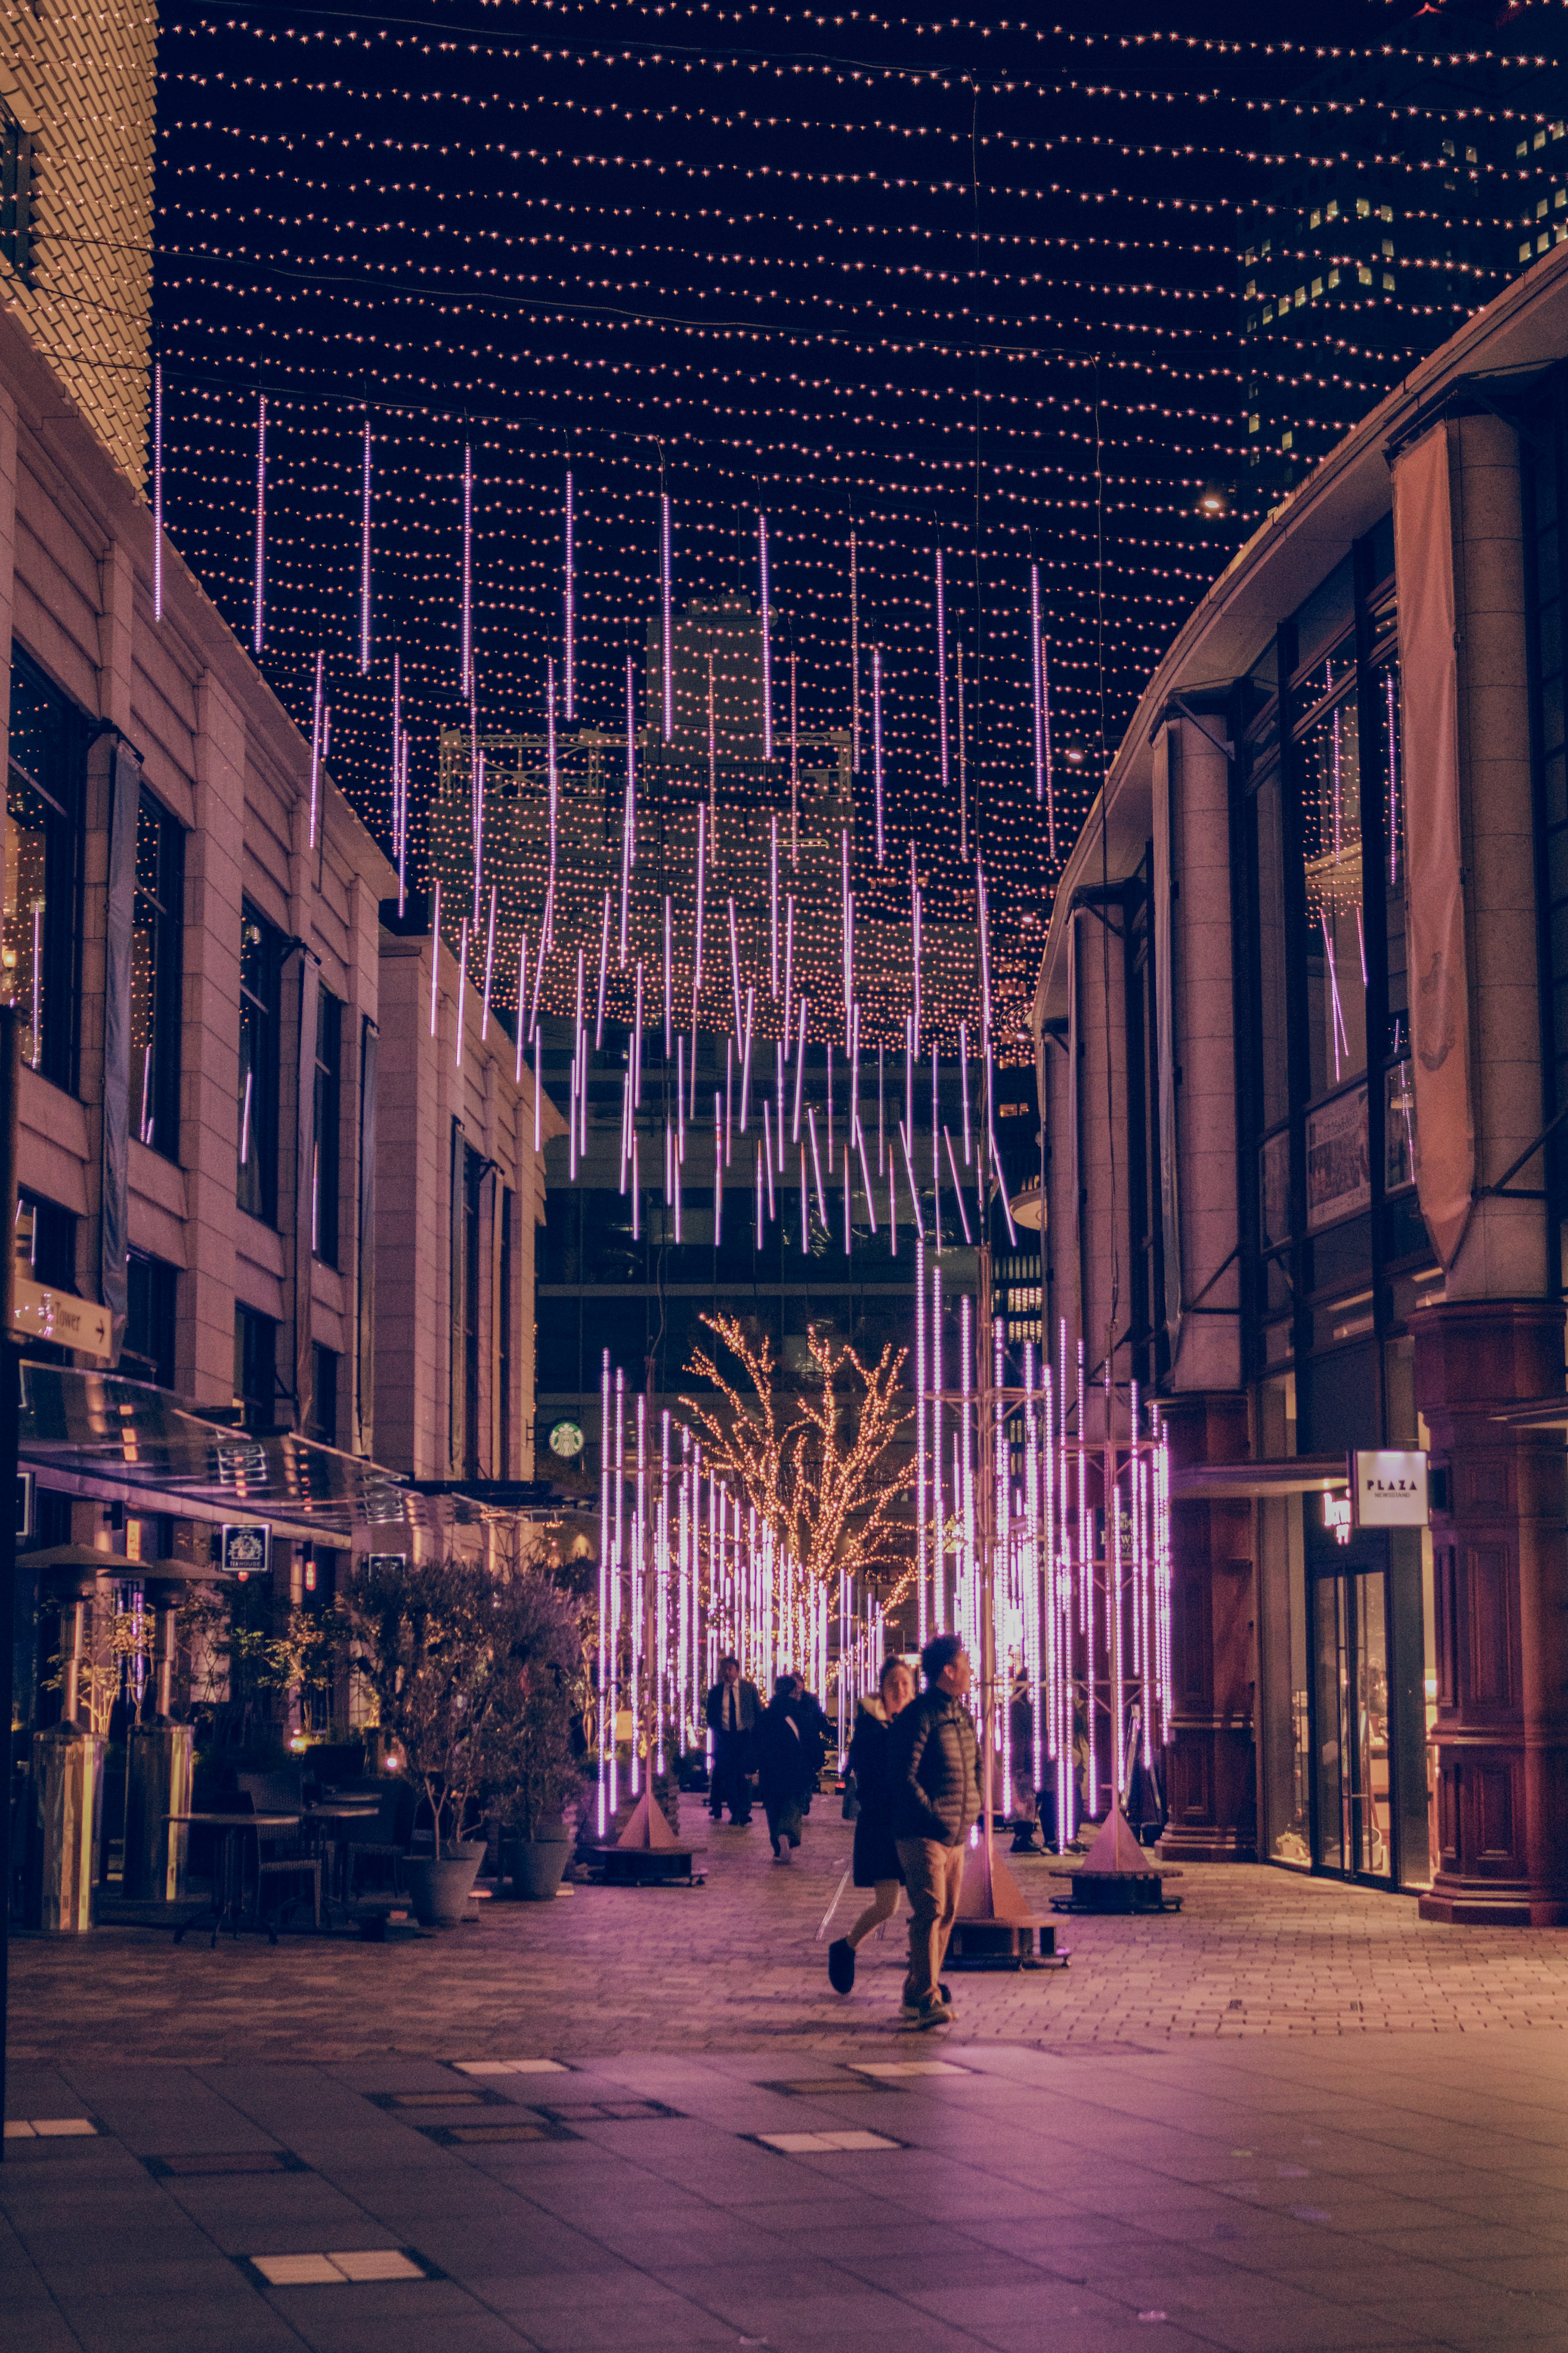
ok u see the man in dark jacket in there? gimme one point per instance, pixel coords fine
(935, 1771)
(734, 1710)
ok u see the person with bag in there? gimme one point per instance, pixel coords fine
(876, 1860)
(935, 1765)
(789, 1758)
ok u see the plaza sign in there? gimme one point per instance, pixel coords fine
(1388, 1489)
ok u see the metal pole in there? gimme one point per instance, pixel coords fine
(9, 1041)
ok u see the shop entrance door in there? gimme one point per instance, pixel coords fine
(1355, 1807)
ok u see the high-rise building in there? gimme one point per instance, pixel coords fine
(1423, 178)
(77, 91)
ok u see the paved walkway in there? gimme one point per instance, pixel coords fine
(357, 2150)
(735, 1966)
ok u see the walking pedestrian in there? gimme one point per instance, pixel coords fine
(789, 1758)
(935, 1765)
(734, 1707)
(876, 1862)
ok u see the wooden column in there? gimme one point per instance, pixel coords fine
(1500, 1587)
(1212, 1782)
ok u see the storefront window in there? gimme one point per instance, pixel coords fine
(156, 980)
(39, 949)
(1328, 756)
(259, 960)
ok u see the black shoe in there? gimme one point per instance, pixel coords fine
(841, 1965)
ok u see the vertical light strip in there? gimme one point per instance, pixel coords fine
(877, 743)
(606, 1709)
(569, 648)
(664, 567)
(316, 759)
(260, 584)
(941, 670)
(364, 558)
(767, 640)
(854, 658)
(468, 605)
(158, 492)
(629, 816)
(1034, 650)
(1050, 780)
(920, 1473)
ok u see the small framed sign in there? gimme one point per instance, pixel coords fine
(386, 1564)
(1389, 1488)
(244, 1551)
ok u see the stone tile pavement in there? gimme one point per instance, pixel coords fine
(1355, 2158)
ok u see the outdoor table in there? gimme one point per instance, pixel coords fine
(329, 1825)
(228, 1894)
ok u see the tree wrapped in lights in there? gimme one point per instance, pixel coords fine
(819, 1482)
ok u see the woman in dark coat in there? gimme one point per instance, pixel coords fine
(876, 1854)
(789, 1758)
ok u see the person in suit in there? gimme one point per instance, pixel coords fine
(734, 1710)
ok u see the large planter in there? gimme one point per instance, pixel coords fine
(439, 1891)
(534, 1866)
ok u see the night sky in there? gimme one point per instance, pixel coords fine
(951, 286)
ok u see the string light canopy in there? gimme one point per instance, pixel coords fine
(837, 414)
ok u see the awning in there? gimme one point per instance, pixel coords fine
(142, 1445)
(1297, 1474)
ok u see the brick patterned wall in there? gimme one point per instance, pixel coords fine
(82, 80)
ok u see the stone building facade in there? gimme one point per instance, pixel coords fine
(77, 91)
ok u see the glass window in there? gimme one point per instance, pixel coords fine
(328, 1115)
(504, 1469)
(147, 1353)
(260, 957)
(254, 1368)
(46, 1242)
(41, 935)
(1273, 1018)
(473, 1181)
(155, 979)
(1329, 767)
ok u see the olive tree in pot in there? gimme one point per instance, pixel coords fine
(430, 1644)
(539, 1778)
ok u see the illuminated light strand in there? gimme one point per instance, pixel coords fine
(490, 966)
(364, 613)
(260, 583)
(767, 640)
(316, 757)
(940, 672)
(667, 652)
(158, 491)
(877, 747)
(629, 814)
(569, 633)
(467, 643)
(604, 977)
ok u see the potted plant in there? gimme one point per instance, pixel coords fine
(539, 1777)
(430, 1645)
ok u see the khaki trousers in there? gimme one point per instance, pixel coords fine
(933, 1875)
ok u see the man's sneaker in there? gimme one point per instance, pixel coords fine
(934, 2012)
(841, 1965)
